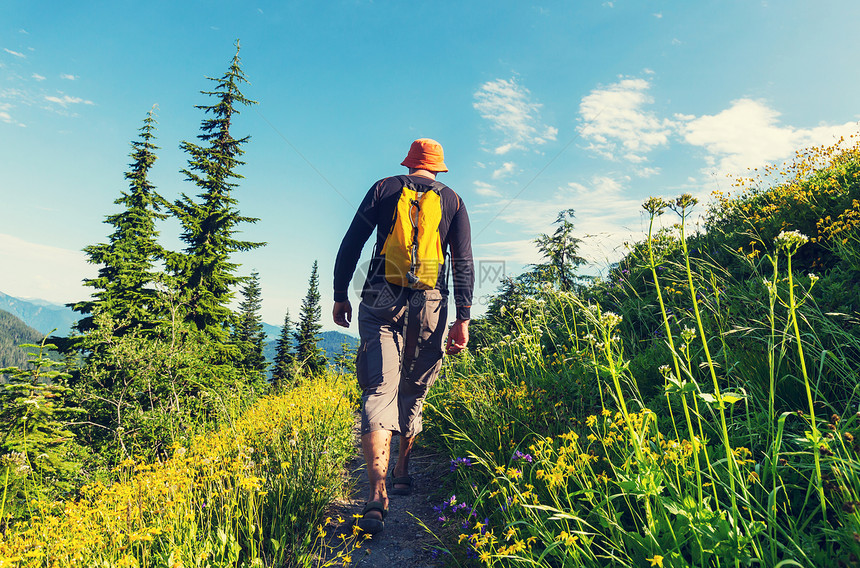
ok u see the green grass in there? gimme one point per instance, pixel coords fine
(695, 409)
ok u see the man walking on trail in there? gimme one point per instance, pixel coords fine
(403, 312)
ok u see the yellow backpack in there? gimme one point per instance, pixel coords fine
(413, 248)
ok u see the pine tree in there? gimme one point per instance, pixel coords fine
(35, 408)
(123, 286)
(345, 358)
(248, 332)
(561, 253)
(308, 352)
(285, 357)
(205, 272)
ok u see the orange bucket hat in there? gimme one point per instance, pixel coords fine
(425, 154)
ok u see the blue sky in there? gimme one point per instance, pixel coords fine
(540, 106)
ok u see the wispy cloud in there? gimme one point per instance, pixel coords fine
(59, 275)
(504, 171)
(605, 214)
(68, 76)
(485, 189)
(38, 77)
(4, 113)
(617, 124)
(15, 53)
(517, 251)
(646, 172)
(748, 134)
(66, 100)
(511, 112)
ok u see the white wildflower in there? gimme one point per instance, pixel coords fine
(791, 240)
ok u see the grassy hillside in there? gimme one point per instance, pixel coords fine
(696, 408)
(255, 489)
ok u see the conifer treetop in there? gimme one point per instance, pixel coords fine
(123, 286)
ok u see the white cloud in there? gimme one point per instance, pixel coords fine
(503, 172)
(676, 41)
(658, 15)
(748, 134)
(509, 109)
(66, 100)
(485, 189)
(6, 115)
(617, 125)
(15, 53)
(58, 278)
(68, 76)
(606, 217)
(647, 172)
(519, 252)
(37, 77)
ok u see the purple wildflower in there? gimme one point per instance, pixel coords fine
(457, 462)
(518, 455)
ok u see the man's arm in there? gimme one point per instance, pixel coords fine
(348, 255)
(463, 266)
(460, 239)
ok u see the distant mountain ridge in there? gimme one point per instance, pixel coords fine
(44, 316)
(40, 315)
(330, 342)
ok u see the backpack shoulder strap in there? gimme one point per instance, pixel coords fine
(436, 186)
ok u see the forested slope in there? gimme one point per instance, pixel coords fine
(14, 333)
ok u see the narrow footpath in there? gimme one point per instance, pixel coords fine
(404, 543)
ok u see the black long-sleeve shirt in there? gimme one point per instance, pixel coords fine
(377, 211)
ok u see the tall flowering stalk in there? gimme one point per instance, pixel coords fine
(682, 205)
(790, 241)
(655, 207)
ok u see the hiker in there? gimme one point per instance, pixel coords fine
(403, 312)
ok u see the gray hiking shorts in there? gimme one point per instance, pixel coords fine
(399, 356)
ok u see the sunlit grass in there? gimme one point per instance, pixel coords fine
(252, 493)
(729, 462)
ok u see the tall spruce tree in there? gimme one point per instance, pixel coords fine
(309, 354)
(123, 288)
(561, 251)
(204, 271)
(285, 356)
(248, 332)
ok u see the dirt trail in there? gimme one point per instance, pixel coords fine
(403, 543)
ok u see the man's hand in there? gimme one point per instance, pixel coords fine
(342, 313)
(458, 337)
